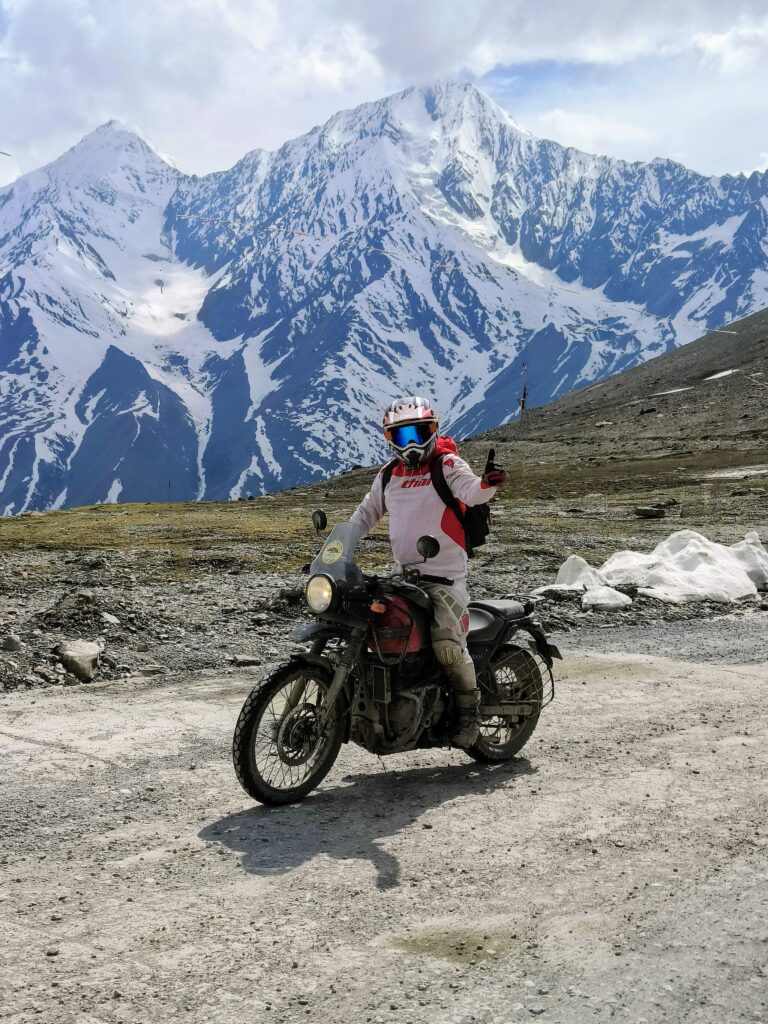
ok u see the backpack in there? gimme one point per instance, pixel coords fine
(475, 520)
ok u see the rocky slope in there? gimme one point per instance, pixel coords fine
(163, 336)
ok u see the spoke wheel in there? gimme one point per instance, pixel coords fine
(281, 748)
(513, 675)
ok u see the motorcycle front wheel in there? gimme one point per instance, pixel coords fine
(513, 675)
(281, 749)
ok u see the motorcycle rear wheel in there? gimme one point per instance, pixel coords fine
(514, 674)
(280, 749)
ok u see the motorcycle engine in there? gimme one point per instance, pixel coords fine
(397, 725)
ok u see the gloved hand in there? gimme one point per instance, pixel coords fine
(494, 475)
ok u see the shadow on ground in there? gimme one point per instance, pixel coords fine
(347, 821)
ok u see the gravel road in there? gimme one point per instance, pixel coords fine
(737, 639)
(618, 870)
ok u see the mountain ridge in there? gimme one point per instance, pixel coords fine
(420, 242)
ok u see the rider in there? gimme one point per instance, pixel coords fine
(415, 508)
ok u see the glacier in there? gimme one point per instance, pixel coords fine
(165, 336)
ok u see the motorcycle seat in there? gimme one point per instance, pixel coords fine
(484, 627)
(505, 608)
(487, 619)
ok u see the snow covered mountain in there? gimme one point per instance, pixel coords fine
(167, 336)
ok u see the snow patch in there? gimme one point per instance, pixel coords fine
(742, 473)
(605, 599)
(578, 574)
(723, 373)
(688, 567)
(113, 495)
(685, 567)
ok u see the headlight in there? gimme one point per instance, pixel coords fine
(320, 593)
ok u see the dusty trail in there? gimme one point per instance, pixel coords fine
(619, 870)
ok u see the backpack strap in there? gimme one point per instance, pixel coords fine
(449, 499)
(444, 491)
(386, 476)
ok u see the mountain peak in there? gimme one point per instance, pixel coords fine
(113, 125)
(452, 102)
(109, 152)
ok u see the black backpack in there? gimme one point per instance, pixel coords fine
(475, 520)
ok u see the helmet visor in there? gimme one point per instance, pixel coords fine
(410, 433)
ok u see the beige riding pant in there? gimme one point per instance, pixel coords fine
(449, 628)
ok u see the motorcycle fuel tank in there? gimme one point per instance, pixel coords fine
(395, 632)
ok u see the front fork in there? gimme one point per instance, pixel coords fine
(297, 691)
(346, 663)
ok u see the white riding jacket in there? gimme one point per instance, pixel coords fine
(415, 508)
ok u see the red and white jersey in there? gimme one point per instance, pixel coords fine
(415, 508)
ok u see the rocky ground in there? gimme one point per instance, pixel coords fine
(617, 870)
(174, 589)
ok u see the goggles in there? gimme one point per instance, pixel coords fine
(410, 433)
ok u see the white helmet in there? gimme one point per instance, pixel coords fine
(410, 427)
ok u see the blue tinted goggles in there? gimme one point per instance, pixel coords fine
(411, 433)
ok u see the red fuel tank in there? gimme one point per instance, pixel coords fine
(396, 631)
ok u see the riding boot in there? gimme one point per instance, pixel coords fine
(467, 728)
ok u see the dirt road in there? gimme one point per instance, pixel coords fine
(619, 870)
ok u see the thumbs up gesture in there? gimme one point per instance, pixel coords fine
(493, 474)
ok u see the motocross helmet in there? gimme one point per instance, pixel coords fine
(410, 429)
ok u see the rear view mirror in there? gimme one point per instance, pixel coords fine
(428, 546)
(319, 520)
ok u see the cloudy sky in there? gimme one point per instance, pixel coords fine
(207, 80)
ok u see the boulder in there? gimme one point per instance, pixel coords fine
(650, 512)
(81, 657)
(11, 643)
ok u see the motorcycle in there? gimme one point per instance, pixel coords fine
(367, 674)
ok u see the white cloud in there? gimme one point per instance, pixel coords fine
(9, 170)
(594, 133)
(736, 50)
(211, 79)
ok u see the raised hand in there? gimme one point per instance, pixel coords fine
(493, 475)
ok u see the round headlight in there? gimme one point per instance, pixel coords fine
(320, 593)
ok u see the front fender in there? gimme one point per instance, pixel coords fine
(314, 659)
(313, 631)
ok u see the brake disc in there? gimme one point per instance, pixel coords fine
(298, 734)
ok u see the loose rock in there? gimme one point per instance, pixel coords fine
(649, 512)
(81, 657)
(243, 660)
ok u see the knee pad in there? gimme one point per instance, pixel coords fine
(448, 652)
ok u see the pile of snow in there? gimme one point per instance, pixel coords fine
(685, 567)
(577, 574)
(605, 599)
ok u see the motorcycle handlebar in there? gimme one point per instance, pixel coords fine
(416, 578)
